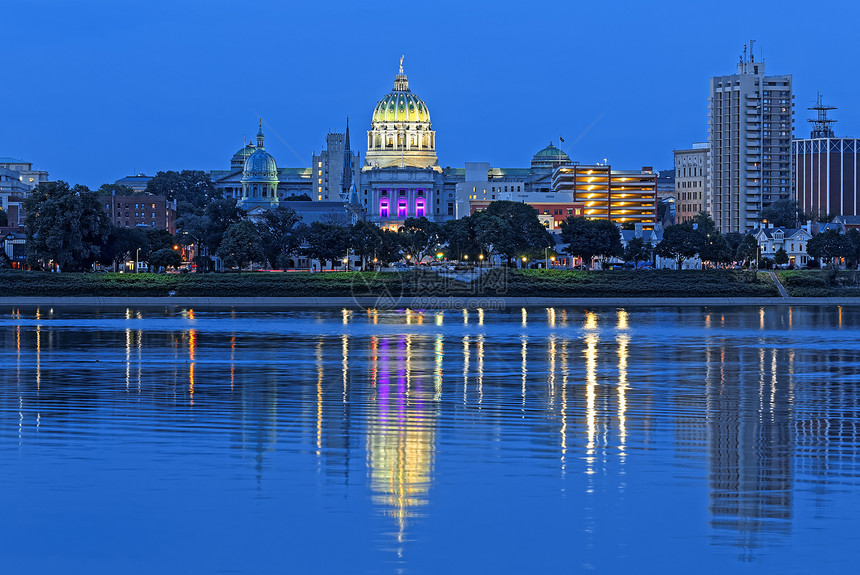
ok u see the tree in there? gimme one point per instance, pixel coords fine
(462, 238)
(704, 224)
(607, 240)
(523, 233)
(241, 245)
(4, 218)
(123, 244)
(300, 198)
(636, 251)
(327, 242)
(420, 237)
(164, 258)
(493, 235)
(680, 242)
(159, 239)
(191, 189)
(577, 233)
(780, 257)
(221, 213)
(782, 214)
(747, 251)
(853, 236)
(117, 190)
(589, 239)
(716, 249)
(829, 246)
(277, 230)
(734, 240)
(65, 225)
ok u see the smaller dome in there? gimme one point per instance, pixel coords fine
(260, 167)
(238, 159)
(550, 158)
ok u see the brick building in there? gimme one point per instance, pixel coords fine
(141, 211)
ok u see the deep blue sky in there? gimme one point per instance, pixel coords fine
(97, 89)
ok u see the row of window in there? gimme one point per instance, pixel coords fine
(693, 184)
(136, 206)
(136, 214)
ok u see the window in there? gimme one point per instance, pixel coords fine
(383, 208)
(420, 208)
(450, 208)
(402, 207)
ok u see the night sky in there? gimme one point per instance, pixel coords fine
(95, 90)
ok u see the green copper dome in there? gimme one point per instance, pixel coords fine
(260, 165)
(238, 159)
(550, 157)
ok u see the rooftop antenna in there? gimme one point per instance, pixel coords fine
(822, 126)
(752, 54)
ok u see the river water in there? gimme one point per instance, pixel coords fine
(675, 440)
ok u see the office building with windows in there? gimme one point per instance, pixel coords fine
(691, 181)
(825, 169)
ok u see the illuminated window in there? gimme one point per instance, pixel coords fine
(383, 208)
(401, 208)
(420, 208)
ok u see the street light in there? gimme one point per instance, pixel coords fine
(136, 258)
(481, 257)
(524, 258)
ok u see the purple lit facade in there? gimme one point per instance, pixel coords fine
(391, 195)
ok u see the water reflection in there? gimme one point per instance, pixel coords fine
(751, 415)
(400, 434)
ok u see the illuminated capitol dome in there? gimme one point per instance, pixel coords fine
(400, 134)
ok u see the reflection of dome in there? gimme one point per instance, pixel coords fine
(238, 159)
(550, 158)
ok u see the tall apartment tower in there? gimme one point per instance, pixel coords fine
(750, 128)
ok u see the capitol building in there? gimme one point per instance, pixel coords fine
(400, 176)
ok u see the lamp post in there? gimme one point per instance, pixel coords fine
(136, 259)
(546, 258)
(524, 258)
(481, 257)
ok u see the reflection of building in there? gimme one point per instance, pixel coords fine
(154, 212)
(750, 126)
(400, 430)
(691, 177)
(825, 169)
(749, 442)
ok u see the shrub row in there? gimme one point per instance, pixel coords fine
(499, 282)
(821, 283)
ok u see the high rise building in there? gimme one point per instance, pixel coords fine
(691, 181)
(750, 127)
(335, 169)
(825, 169)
